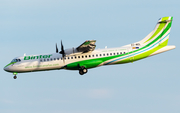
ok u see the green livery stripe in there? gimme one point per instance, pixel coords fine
(164, 18)
(171, 18)
(167, 28)
(97, 61)
(161, 26)
(10, 64)
(87, 63)
(137, 53)
(143, 55)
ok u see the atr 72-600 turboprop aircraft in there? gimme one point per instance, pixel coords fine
(85, 56)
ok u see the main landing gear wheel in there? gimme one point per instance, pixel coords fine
(82, 70)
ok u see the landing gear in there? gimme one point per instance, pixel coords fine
(14, 76)
(85, 70)
(82, 70)
(15, 73)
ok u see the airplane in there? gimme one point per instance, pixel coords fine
(85, 56)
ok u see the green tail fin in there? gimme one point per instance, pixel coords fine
(161, 30)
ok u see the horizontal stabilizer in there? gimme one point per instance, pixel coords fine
(164, 49)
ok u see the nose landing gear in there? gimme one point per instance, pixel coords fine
(15, 73)
(14, 76)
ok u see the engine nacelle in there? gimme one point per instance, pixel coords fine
(70, 51)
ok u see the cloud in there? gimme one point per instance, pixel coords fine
(100, 93)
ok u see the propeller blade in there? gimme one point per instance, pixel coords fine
(62, 49)
(62, 52)
(56, 48)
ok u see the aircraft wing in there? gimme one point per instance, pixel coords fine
(87, 46)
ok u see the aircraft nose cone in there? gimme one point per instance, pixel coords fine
(6, 68)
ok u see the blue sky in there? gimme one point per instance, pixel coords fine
(33, 27)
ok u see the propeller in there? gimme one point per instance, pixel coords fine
(56, 48)
(62, 51)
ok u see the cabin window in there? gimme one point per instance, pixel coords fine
(82, 56)
(121, 53)
(107, 54)
(117, 53)
(75, 57)
(54, 58)
(103, 54)
(89, 55)
(40, 60)
(110, 53)
(71, 57)
(92, 55)
(47, 59)
(44, 59)
(114, 53)
(51, 59)
(96, 55)
(61, 58)
(124, 52)
(86, 56)
(78, 56)
(99, 54)
(57, 58)
(68, 57)
(64, 58)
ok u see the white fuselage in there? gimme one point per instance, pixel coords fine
(55, 61)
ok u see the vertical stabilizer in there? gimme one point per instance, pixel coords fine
(160, 33)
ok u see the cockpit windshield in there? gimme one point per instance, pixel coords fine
(16, 60)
